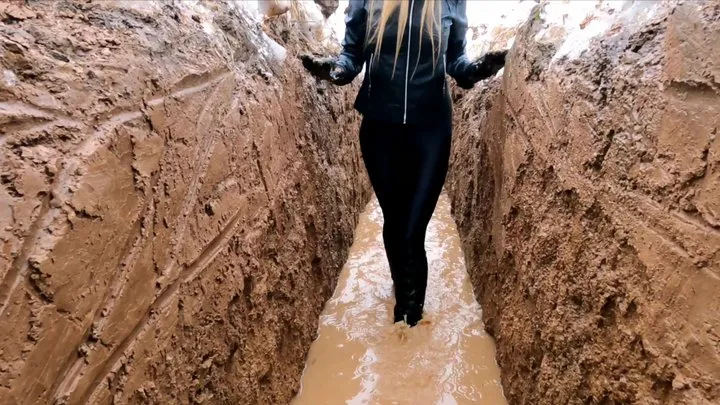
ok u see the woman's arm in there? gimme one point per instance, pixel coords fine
(458, 65)
(350, 61)
(460, 68)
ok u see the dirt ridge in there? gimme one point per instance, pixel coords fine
(586, 192)
(180, 198)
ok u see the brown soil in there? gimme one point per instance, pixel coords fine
(587, 195)
(176, 203)
(175, 208)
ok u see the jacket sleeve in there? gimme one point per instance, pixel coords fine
(459, 66)
(351, 58)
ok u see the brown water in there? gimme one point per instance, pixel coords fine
(360, 357)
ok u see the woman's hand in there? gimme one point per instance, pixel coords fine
(491, 63)
(485, 66)
(325, 68)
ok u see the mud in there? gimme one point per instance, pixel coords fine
(360, 357)
(328, 7)
(177, 199)
(587, 194)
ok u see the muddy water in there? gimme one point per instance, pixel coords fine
(361, 358)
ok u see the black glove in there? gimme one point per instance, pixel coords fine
(324, 68)
(485, 66)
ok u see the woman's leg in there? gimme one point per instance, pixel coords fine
(407, 166)
(376, 148)
(384, 147)
(378, 144)
(427, 153)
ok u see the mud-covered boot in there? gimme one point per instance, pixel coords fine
(411, 314)
(408, 304)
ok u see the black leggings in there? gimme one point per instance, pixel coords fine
(407, 165)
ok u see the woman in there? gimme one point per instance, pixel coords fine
(407, 48)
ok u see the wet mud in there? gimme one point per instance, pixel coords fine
(360, 357)
(176, 202)
(587, 195)
(177, 199)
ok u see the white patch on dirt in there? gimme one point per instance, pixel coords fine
(584, 21)
(307, 18)
(492, 24)
(272, 50)
(248, 8)
(336, 23)
(251, 12)
(147, 6)
(9, 78)
(570, 25)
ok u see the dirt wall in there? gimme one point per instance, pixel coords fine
(587, 193)
(176, 202)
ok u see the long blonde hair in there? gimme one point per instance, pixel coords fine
(429, 22)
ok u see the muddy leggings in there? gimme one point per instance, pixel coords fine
(407, 165)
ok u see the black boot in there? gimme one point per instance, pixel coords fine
(409, 310)
(409, 301)
(409, 291)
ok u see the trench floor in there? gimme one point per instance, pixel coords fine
(360, 357)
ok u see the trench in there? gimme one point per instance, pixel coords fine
(360, 357)
(184, 213)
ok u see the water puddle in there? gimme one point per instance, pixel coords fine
(361, 358)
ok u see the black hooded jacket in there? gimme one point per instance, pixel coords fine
(417, 90)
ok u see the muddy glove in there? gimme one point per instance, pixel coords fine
(325, 68)
(485, 66)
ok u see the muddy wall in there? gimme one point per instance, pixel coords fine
(176, 201)
(587, 193)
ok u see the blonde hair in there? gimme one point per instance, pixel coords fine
(429, 22)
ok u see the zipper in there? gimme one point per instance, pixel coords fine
(407, 65)
(372, 58)
(444, 74)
